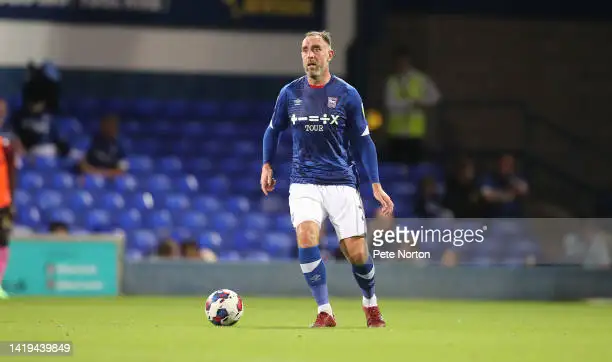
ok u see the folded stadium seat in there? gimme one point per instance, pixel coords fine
(247, 186)
(199, 166)
(223, 221)
(49, 199)
(98, 220)
(256, 221)
(158, 183)
(159, 219)
(330, 241)
(181, 234)
(111, 201)
(273, 203)
(94, 182)
(191, 220)
(117, 105)
(206, 203)
(79, 200)
(218, 185)
(185, 148)
(247, 240)
(210, 240)
(194, 129)
(169, 165)
(125, 183)
(175, 201)
(28, 216)
(142, 239)
(206, 109)
(237, 205)
(257, 257)
(69, 128)
(45, 163)
(145, 108)
(140, 164)
(401, 189)
(279, 245)
(130, 219)
(83, 106)
(175, 109)
(22, 198)
(30, 180)
(164, 128)
(142, 201)
(237, 109)
(132, 128)
(62, 181)
(225, 130)
(393, 171)
(63, 215)
(263, 109)
(214, 148)
(245, 148)
(147, 147)
(186, 183)
(283, 223)
(425, 169)
(229, 256)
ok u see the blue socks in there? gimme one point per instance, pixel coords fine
(364, 275)
(313, 269)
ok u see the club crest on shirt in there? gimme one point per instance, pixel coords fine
(332, 102)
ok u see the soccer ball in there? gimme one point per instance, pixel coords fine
(224, 307)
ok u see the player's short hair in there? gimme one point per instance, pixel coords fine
(324, 34)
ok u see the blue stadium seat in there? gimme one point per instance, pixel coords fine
(186, 183)
(125, 183)
(45, 163)
(146, 107)
(237, 109)
(248, 240)
(229, 256)
(199, 165)
(131, 127)
(238, 204)
(210, 240)
(112, 201)
(256, 221)
(159, 183)
(143, 239)
(63, 215)
(22, 198)
(129, 219)
(30, 180)
(218, 185)
(28, 216)
(94, 182)
(141, 201)
(175, 201)
(192, 220)
(69, 128)
(283, 223)
(140, 164)
(245, 148)
(399, 189)
(206, 109)
(232, 166)
(116, 105)
(176, 109)
(207, 204)
(330, 242)
(79, 200)
(98, 220)
(279, 245)
(62, 181)
(181, 234)
(257, 256)
(194, 129)
(159, 219)
(49, 199)
(224, 221)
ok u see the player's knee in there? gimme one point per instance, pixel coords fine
(308, 234)
(356, 251)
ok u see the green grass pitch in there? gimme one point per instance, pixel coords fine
(148, 329)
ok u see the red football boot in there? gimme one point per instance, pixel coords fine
(324, 320)
(374, 317)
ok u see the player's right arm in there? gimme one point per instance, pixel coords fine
(278, 123)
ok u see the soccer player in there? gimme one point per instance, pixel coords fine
(7, 186)
(328, 124)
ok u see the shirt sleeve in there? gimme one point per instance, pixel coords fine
(278, 123)
(359, 135)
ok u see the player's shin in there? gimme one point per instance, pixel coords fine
(364, 275)
(313, 269)
(4, 255)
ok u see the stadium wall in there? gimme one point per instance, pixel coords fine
(170, 58)
(394, 280)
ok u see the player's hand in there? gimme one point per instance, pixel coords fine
(267, 181)
(384, 199)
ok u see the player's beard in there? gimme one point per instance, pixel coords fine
(314, 72)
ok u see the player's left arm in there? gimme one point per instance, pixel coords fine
(363, 146)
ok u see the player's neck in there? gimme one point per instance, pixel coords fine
(321, 82)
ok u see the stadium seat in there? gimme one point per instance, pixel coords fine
(140, 164)
(129, 219)
(207, 204)
(63, 215)
(210, 240)
(143, 239)
(112, 201)
(62, 181)
(248, 240)
(229, 256)
(30, 180)
(224, 221)
(238, 205)
(257, 256)
(79, 200)
(98, 220)
(94, 182)
(181, 234)
(283, 223)
(22, 198)
(218, 185)
(256, 221)
(199, 165)
(192, 220)
(43, 163)
(175, 201)
(29, 216)
(175, 109)
(159, 219)
(206, 109)
(141, 201)
(125, 183)
(158, 183)
(279, 245)
(186, 183)
(49, 199)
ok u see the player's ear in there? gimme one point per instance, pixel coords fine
(331, 55)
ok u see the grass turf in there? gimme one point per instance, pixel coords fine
(148, 329)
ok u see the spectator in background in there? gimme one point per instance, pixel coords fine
(504, 190)
(58, 228)
(37, 133)
(408, 94)
(42, 85)
(589, 247)
(5, 131)
(462, 193)
(428, 203)
(106, 155)
(191, 250)
(168, 249)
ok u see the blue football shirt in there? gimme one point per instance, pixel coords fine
(323, 121)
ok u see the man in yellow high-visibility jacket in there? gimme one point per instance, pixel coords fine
(408, 94)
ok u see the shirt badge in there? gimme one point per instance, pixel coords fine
(332, 102)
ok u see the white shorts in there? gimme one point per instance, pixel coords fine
(342, 204)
